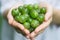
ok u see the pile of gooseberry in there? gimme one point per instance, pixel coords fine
(30, 16)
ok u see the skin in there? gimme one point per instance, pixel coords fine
(15, 24)
(56, 16)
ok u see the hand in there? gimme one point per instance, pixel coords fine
(19, 27)
(48, 19)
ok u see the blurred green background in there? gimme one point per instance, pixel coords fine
(0, 20)
(0, 24)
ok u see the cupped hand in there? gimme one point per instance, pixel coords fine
(48, 19)
(19, 27)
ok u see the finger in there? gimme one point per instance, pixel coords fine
(43, 25)
(26, 31)
(18, 25)
(10, 17)
(32, 34)
(21, 27)
(49, 12)
(40, 28)
(28, 36)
